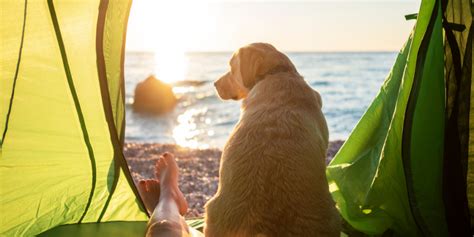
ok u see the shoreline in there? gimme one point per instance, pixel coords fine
(199, 169)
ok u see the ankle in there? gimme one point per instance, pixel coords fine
(169, 191)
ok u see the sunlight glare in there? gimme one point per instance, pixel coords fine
(171, 64)
(172, 27)
(185, 133)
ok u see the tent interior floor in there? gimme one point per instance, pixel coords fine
(127, 229)
(117, 229)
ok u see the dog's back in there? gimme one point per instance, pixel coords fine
(272, 179)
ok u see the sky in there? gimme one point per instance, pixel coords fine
(226, 25)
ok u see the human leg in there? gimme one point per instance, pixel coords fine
(166, 218)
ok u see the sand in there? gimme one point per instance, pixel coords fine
(199, 169)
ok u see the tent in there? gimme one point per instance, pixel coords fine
(62, 116)
(407, 167)
(63, 173)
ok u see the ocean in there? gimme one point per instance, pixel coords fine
(347, 82)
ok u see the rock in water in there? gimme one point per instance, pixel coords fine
(153, 96)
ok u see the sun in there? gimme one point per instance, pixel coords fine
(170, 47)
(171, 64)
(171, 26)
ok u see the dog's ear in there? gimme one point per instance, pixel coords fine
(250, 60)
(259, 59)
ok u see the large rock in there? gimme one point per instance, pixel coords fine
(152, 96)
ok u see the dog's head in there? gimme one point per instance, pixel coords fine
(249, 65)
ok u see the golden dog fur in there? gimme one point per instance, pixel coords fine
(272, 179)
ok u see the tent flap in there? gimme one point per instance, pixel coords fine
(61, 159)
(389, 176)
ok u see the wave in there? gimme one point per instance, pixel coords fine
(189, 83)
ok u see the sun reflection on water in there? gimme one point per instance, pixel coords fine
(187, 133)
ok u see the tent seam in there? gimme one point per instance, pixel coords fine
(101, 70)
(4, 134)
(406, 136)
(76, 104)
(453, 171)
(119, 157)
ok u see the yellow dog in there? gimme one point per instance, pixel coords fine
(272, 176)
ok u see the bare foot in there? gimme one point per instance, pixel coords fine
(166, 170)
(149, 190)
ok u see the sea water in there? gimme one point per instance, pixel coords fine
(347, 82)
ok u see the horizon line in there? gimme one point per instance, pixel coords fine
(284, 51)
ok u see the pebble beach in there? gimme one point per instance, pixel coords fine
(199, 169)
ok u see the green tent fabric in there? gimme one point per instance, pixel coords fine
(403, 170)
(406, 169)
(62, 115)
